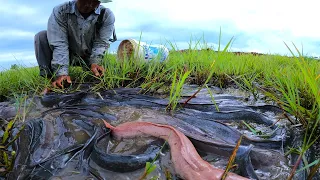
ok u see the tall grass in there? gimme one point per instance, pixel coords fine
(19, 80)
(280, 78)
(309, 114)
(176, 89)
(285, 80)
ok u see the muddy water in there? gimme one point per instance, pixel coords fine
(67, 126)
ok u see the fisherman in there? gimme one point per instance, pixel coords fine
(78, 34)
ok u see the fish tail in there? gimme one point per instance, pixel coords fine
(108, 125)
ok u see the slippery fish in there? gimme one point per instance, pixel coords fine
(122, 163)
(226, 113)
(59, 161)
(187, 162)
(225, 116)
(54, 99)
(7, 111)
(228, 134)
(258, 156)
(213, 143)
(44, 149)
(244, 162)
(201, 138)
(86, 111)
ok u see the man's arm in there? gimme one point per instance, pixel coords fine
(58, 40)
(101, 43)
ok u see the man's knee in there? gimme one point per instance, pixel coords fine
(43, 53)
(41, 36)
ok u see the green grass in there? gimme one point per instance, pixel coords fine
(292, 82)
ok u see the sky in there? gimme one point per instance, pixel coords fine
(256, 25)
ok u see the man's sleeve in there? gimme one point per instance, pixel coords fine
(58, 40)
(101, 43)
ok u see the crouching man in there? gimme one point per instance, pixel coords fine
(78, 34)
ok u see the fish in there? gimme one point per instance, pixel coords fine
(229, 116)
(61, 99)
(228, 134)
(7, 111)
(260, 158)
(244, 162)
(83, 110)
(43, 150)
(122, 163)
(187, 162)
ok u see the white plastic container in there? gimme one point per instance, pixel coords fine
(141, 50)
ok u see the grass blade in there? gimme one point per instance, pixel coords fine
(309, 165)
(7, 131)
(314, 170)
(231, 159)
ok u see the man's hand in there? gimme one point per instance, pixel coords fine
(59, 81)
(97, 70)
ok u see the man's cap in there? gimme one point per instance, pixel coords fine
(105, 1)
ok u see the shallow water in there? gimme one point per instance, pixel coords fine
(69, 129)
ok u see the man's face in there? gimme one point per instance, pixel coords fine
(87, 6)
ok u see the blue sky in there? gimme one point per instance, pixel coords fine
(259, 26)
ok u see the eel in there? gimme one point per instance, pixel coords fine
(228, 116)
(228, 134)
(43, 152)
(244, 162)
(7, 111)
(260, 158)
(54, 99)
(187, 162)
(122, 163)
(88, 112)
(209, 143)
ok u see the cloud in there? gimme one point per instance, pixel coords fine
(11, 34)
(263, 25)
(260, 26)
(10, 8)
(23, 56)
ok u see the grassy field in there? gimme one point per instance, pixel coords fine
(292, 82)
